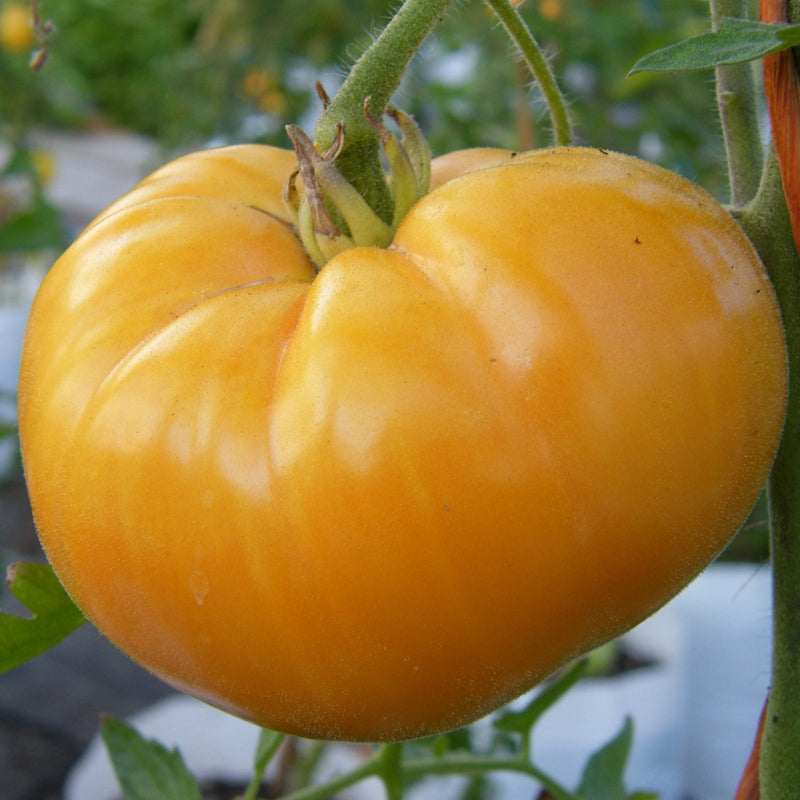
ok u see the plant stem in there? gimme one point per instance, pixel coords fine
(376, 75)
(391, 771)
(269, 742)
(388, 765)
(522, 37)
(329, 788)
(309, 762)
(766, 221)
(475, 764)
(736, 99)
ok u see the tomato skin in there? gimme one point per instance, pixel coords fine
(377, 502)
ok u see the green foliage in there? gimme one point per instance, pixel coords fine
(268, 744)
(737, 41)
(136, 64)
(145, 769)
(27, 221)
(602, 778)
(240, 70)
(54, 615)
(37, 228)
(175, 71)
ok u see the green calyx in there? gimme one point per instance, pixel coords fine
(347, 197)
(329, 213)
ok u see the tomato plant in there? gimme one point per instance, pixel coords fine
(360, 445)
(377, 501)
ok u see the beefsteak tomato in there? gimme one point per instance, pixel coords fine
(377, 501)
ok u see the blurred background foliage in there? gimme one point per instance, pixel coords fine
(212, 71)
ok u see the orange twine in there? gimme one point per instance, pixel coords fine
(782, 89)
(749, 785)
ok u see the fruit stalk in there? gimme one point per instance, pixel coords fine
(376, 75)
(521, 35)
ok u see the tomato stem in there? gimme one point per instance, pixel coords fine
(269, 743)
(522, 37)
(321, 791)
(376, 75)
(388, 765)
(391, 770)
(766, 221)
(468, 764)
(736, 100)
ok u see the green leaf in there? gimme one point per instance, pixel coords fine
(523, 720)
(268, 744)
(40, 228)
(604, 772)
(55, 616)
(145, 769)
(735, 42)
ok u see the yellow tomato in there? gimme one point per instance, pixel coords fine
(550, 9)
(16, 28)
(379, 501)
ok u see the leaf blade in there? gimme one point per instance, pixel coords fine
(54, 615)
(268, 743)
(603, 775)
(735, 42)
(145, 769)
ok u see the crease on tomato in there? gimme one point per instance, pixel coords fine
(204, 307)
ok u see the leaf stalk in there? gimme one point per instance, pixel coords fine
(736, 100)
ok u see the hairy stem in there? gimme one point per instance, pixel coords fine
(766, 222)
(769, 224)
(376, 75)
(736, 99)
(528, 47)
